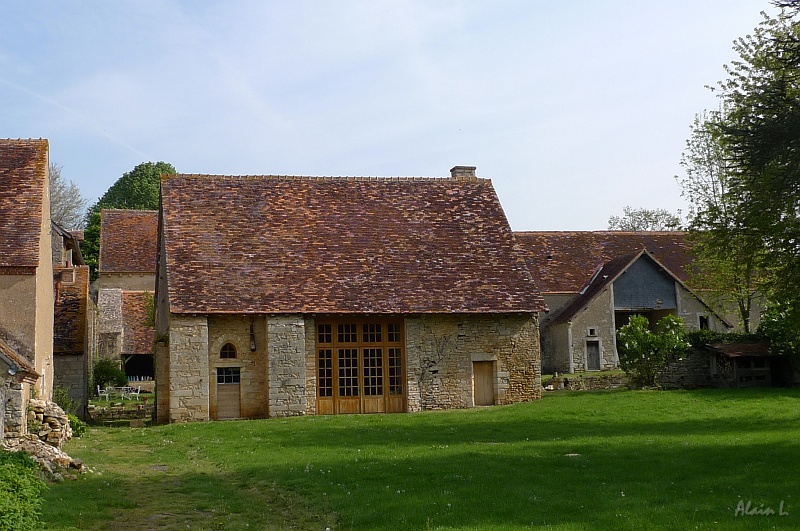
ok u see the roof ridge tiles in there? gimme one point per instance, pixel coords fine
(315, 177)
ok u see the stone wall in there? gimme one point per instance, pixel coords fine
(600, 317)
(126, 281)
(14, 395)
(588, 383)
(70, 373)
(441, 350)
(235, 329)
(690, 309)
(311, 365)
(286, 338)
(109, 324)
(690, 372)
(188, 369)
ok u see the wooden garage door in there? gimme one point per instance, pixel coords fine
(360, 366)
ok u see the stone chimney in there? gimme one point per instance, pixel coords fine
(463, 173)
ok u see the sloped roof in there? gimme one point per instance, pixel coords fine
(737, 350)
(605, 275)
(16, 361)
(23, 178)
(564, 262)
(341, 245)
(138, 335)
(128, 241)
(70, 241)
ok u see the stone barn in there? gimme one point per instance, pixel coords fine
(281, 296)
(592, 282)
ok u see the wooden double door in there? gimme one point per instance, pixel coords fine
(360, 366)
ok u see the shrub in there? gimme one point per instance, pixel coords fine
(107, 372)
(644, 354)
(78, 426)
(64, 401)
(20, 492)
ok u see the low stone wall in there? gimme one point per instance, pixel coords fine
(48, 422)
(690, 372)
(114, 412)
(588, 383)
(49, 429)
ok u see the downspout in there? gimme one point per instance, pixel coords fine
(569, 346)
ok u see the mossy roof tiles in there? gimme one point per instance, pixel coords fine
(128, 240)
(23, 178)
(138, 335)
(565, 261)
(259, 244)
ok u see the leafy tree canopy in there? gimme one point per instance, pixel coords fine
(758, 129)
(137, 189)
(643, 219)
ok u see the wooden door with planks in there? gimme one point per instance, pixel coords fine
(483, 382)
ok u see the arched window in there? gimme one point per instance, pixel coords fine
(227, 351)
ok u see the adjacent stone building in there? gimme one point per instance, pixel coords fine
(72, 325)
(281, 296)
(26, 280)
(125, 288)
(593, 282)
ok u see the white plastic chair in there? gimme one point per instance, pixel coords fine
(102, 393)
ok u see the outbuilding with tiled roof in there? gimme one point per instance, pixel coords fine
(293, 295)
(594, 281)
(127, 249)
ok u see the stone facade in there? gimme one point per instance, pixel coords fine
(287, 365)
(127, 281)
(441, 350)
(14, 422)
(593, 320)
(188, 377)
(235, 330)
(693, 370)
(278, 378)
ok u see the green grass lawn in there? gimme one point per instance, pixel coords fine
(604, 460)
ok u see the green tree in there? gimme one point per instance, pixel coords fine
(760, 132)
(137, 189)
(725, 256)
(643, 219)
(643, 354)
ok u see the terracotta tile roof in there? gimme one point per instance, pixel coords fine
(737, 350)
(128, 241)
(340, 245)
(71, 305)
(607, 274)
(23, 177)
(138, 335)
(564, 262)
(16, 361)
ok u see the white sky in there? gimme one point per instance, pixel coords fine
(574, 109)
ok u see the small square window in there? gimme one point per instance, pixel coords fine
(228, 375)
